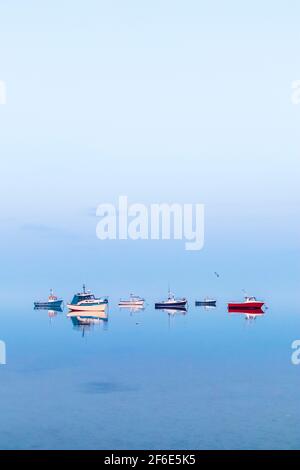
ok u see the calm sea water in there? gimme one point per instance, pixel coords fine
(205, 380)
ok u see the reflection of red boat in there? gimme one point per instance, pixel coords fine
(250, 303)
(250, 314)
(247, 311)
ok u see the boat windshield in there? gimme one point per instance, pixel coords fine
(88, 297)
(82, 297)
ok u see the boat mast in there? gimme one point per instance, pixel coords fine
(245, 294)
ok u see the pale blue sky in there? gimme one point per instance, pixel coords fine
(163, 101)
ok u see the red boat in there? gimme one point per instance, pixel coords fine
(250, 303)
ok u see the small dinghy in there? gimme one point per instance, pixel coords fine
(53, 303)
(206, 303)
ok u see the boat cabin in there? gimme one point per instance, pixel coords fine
(81, 297)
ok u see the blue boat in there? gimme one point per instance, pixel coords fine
(206, 303)
(53, 303)
(86, 301)
(172, 303)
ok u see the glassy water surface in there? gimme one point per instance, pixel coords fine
(205, 379)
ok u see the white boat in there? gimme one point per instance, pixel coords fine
(134, 301)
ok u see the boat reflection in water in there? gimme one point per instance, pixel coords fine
(51, 313)
(174, 311)
(206, 304)
(85, 321)
(132, 309)
(209, 307)
(250, 314)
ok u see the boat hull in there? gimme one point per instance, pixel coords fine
(171, 305)
(206, 303)
(87, 308)
(50, 305)
(245, 305)
(246, 311)
(131, 304)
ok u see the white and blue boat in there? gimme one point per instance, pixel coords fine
(53, 303)
(172, 303)
(85, 301)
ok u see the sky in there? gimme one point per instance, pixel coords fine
(162, 101)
